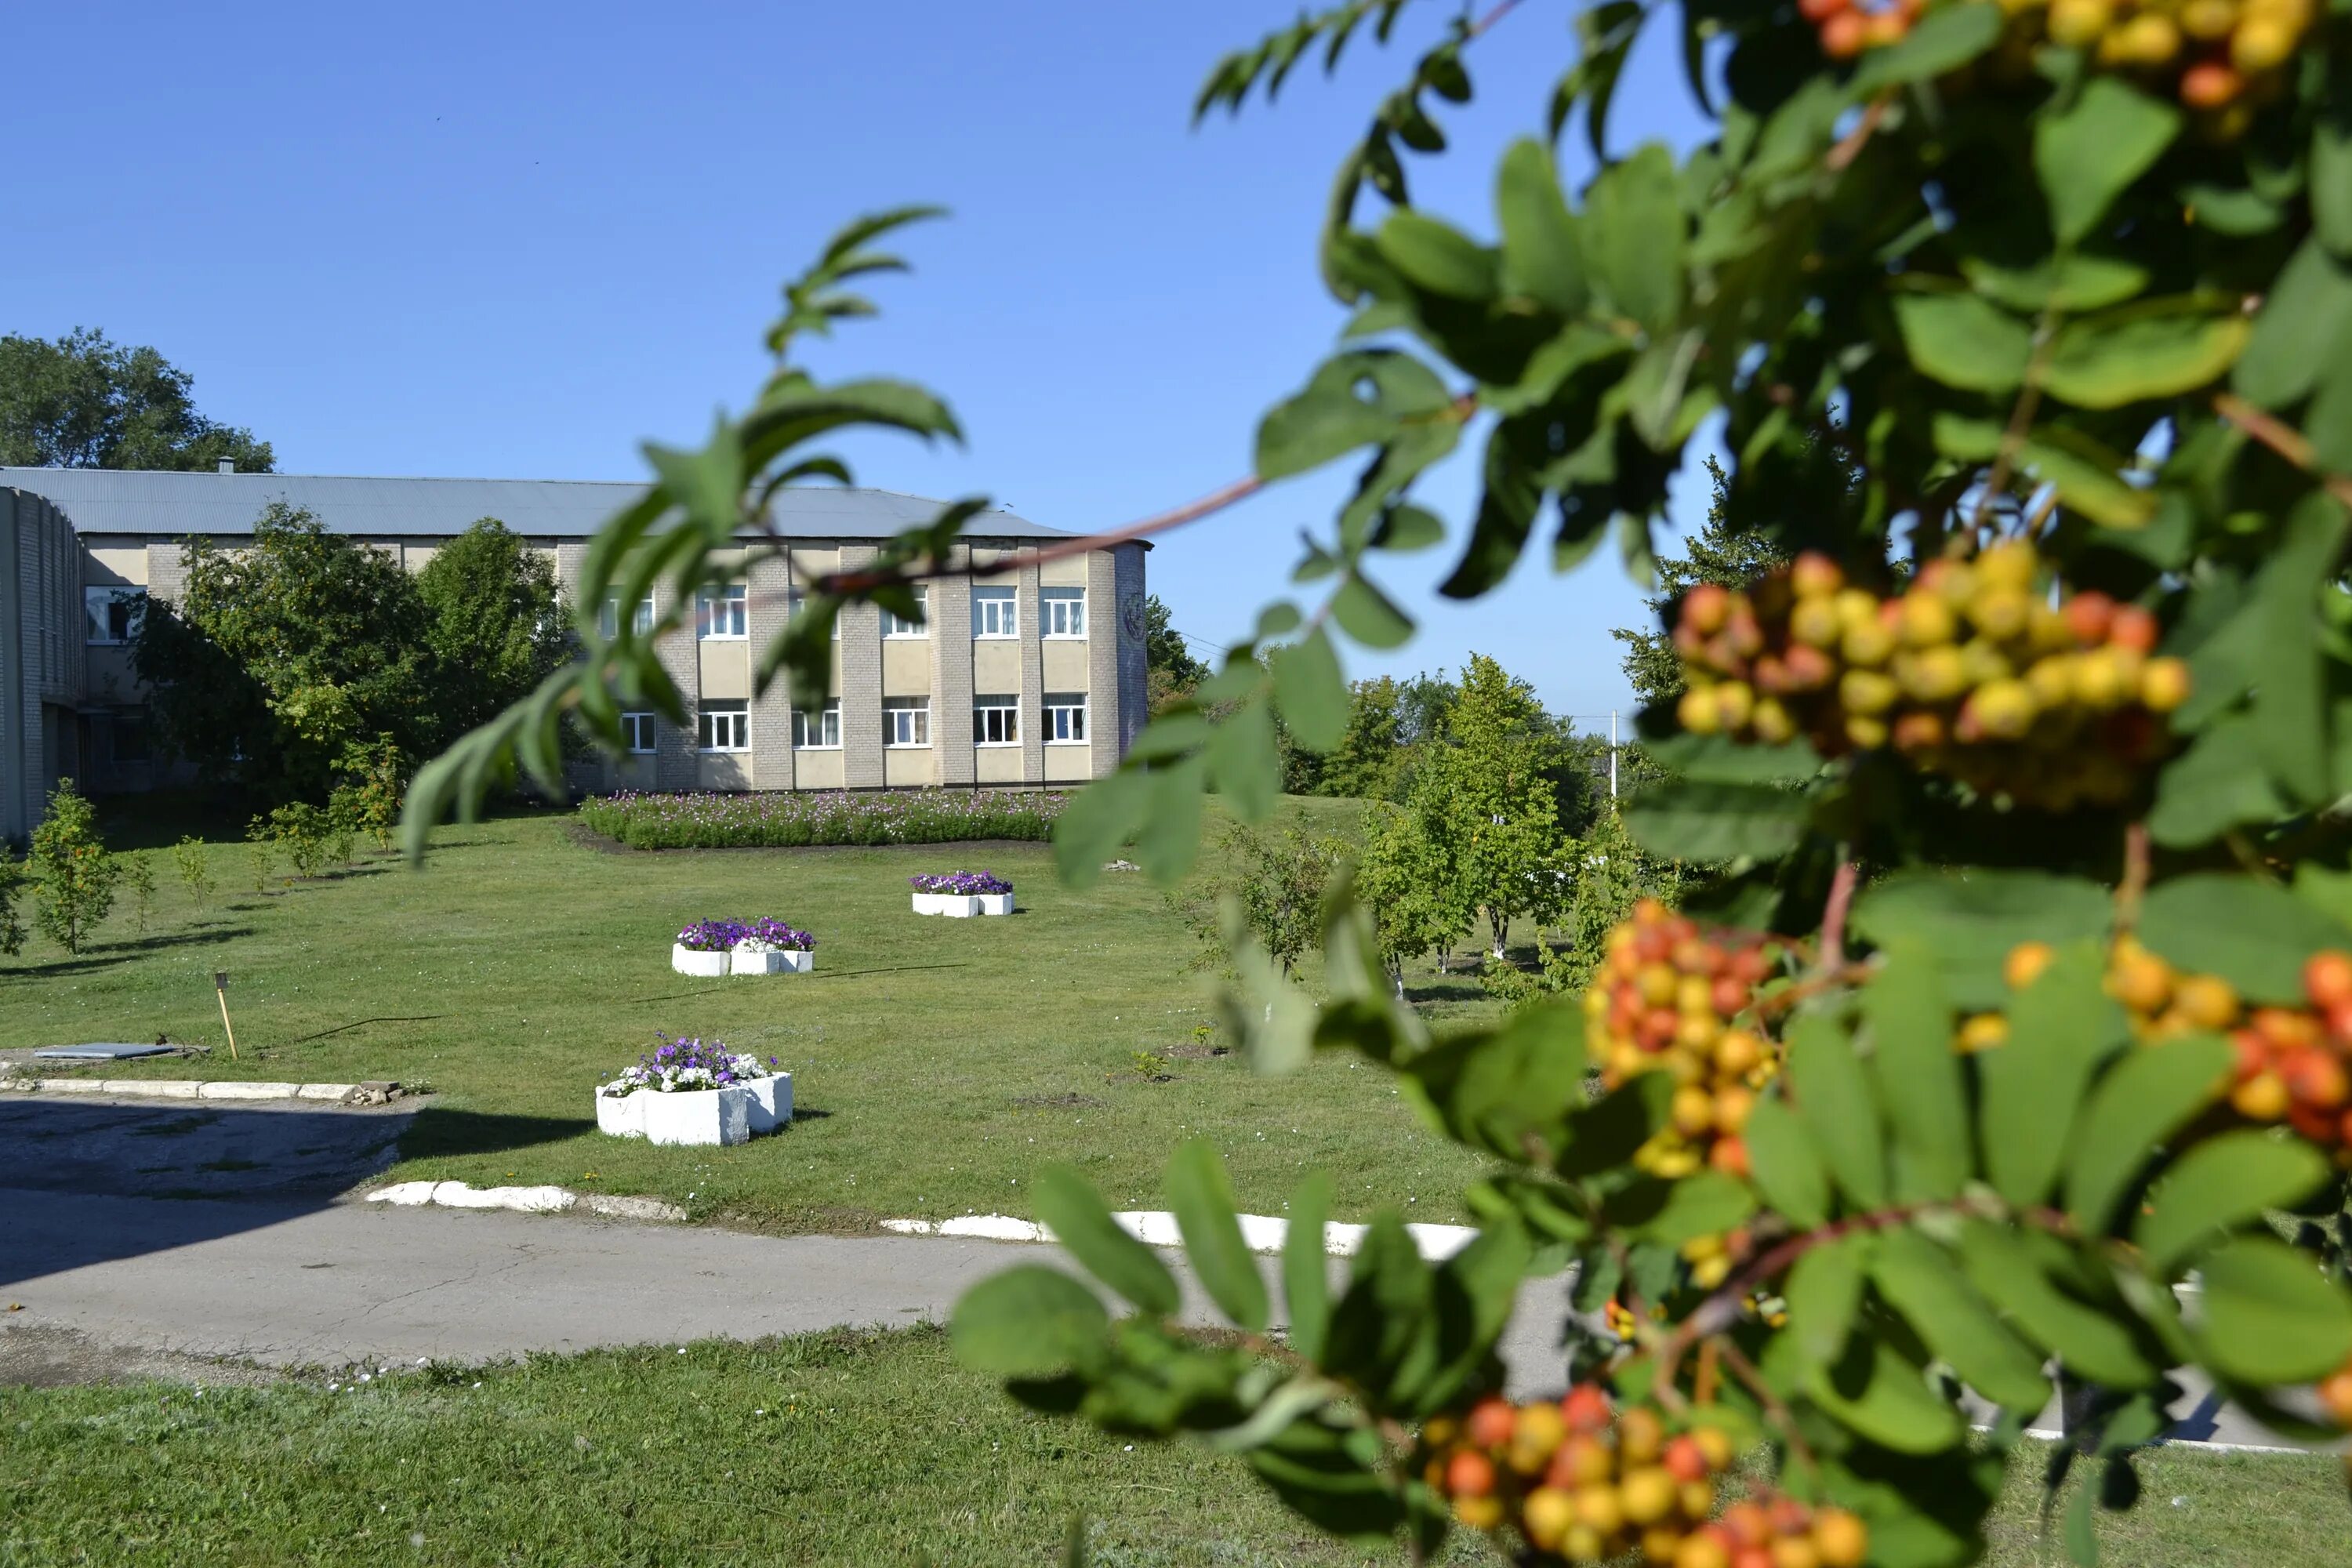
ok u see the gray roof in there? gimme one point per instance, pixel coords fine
(114, 500)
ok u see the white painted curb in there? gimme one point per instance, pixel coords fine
(191, 1089)
(521, 1200)
(1158, 1228)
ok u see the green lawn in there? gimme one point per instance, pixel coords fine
(833, 1448)
(936, 1063)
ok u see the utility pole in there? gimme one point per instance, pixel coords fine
(1613, 753)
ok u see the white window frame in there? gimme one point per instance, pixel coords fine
(98, 614)
(723, 737)
(907, 723)
(723, 615)
(637, 733)
(1066, 719)
(894, 626)
(995, 614)
(1062, 614)
(608, 617)
(795, 600)
(1008, 730)
(827, 724)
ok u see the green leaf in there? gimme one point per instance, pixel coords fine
(2302, 328)
(2221, 1184)
(1245, 761)
(2254, 934)
(1719, 759)
(2142, 353)
(1201, 1197)
(1972, 919)
(2269, 1317)
(1354, 400)
(1081, 1224)
(1170, 838)
(2059, 1029)
(2331, 171)
(1312, 691)
(1921, 1092)
(1437, 257)
(1634, 235)
(1368, 616)
(1964, 342)
(1696, 821)
(2290, 699)
(2092, 1342)
(1942, 42)
(1918, 1279)
(1885, 1398)
(1783, 1165)
(2149, 1096)
(1823, 1292)
(1540, 257)
(1306, 1276)
(1832, 1098)
(2209, 789)
(2088, 477)
(2069, 281)
(1671, 1212)
(1502, 1089)
(2082, 1537)
(1096, 825)
(2087, 153)
(1028, 1321)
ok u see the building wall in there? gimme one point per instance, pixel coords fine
(40, 658)
(945, 664)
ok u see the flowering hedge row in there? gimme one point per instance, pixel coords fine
(838, 817)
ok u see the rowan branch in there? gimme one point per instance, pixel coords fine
(2282, 438)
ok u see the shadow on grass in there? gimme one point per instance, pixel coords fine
(88, 1183)
(115, 952)
(1446, 991)
(363, 1022)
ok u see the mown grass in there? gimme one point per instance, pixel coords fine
(936, 1063)
(832, 1448)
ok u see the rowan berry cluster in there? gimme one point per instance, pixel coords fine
(1969, 673)
(1847, 28)
(1670, 997)
(1583, 1483)
(2221, 57)
(2335, 1396)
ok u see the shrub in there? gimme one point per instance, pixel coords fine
(139, 876)
(12, 930)
(839, 816)
(302, 832)
(75, 875)
(196, 870)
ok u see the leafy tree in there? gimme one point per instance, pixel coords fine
(196, 870)
(74, 876)
(371, 802)
(1272, 884)
(1411, 880)
(1493, 784)
(1929, 1085)
(83, 400)
(1728, 551)
(1369, 758)
(12, 880)
(139, 877)
(277, 659)
(1170, 668)
(497, 626)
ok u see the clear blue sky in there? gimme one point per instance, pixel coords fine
(515, 240)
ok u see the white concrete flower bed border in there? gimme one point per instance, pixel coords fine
(964, 906)
(734, 1114)
(737, 961)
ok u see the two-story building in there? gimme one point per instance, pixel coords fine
(1020, 673)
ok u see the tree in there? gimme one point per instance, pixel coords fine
(1369, 758)
(1411, 881)
(1274, 885)
(2021, 989)
(1493, 784)
(1727, 551)
(83, 400)
(73, 877)
(276, 659)
(12, 880)
(1170, 668)
(497, 626)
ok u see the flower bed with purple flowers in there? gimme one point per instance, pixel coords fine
(761, 935)
(959, 884)
(685, 1066)
(695, 1091)
(701, 821)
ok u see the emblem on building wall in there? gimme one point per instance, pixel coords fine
(1130, 617)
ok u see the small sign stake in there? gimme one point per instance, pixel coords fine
(220, 988)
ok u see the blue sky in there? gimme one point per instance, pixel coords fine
(517, 239)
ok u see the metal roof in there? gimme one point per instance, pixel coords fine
(142, 501)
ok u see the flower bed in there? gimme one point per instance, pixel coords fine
(838, 817)
(695, 1091)
(763, 946)
(962, 893)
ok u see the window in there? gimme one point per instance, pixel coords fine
(996, 721)
(898, 625)
(818, 732)
(995, 613)
(726, 727)
(130, 736)
(1063, 611)
(795, 602)
(1066, 718)
(608, 619)
(718, 613)
(637, 729)
(906, 720)
(114, 613)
